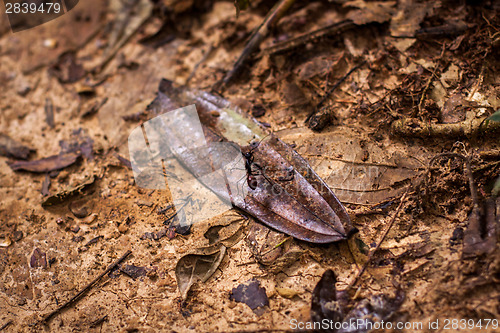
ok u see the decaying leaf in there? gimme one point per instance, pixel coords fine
(66, 69)
(5, 241)
(250, 293)
(55, 162)
(370, 311)
(272, 249)
(133, 271)
(38, 259)
(194, 268)
(11, 148)
(72, 190)
(480, 237)
(330, 304)
(324, 303)
(371, 11)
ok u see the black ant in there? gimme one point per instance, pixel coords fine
(249, 161)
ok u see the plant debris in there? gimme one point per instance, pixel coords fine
(332, 305)
(250, 293)
(133, 271)
(11, 148)
(56, 162)
(195, 268)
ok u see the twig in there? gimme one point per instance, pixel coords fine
(202, 60)
(332, 89)
(7, 324)
(98, 322)
(468, 128)
(275, 14)
(372, 253)
(293, 43)
(75, 298)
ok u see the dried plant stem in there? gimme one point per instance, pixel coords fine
(75, 298)
(275, 14)
(372, 252)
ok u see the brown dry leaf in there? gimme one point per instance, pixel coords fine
(480, 237)
(371, 11)
(11, 148)
(51, 163)
(194, 268)
(252, 294)
(407, 21)
(66, 69)
(453, 111)
(317, 66)
(357, 168)
(70, 191)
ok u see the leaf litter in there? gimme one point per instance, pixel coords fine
(406, 79)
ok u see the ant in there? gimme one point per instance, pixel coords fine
(249, 162)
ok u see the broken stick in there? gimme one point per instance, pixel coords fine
(75, 298)
(275, 14)
(372, 253)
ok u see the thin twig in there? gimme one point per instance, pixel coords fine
(7, 324)
(372, 253)
(202, 60)
(275, 14)
(312, 36)
(332, 89)
(75, 298)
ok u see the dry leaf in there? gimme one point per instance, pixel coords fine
(194, 268)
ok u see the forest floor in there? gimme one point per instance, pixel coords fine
(425, 76)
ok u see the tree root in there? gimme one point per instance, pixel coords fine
(467, 128)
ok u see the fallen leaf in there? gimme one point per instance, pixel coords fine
(288, 195)
(250, 293)
(5, 241)
(195, 268)
(324, 304)
(329, 304)
(70, 191)
(370, 11)
(55, 162)
(38, 259)
(11, 148)
(133, 271)
(480, 237)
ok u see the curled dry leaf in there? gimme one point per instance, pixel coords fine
(38, 259)
(272, 249)
(194, 268)
(5, 241)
